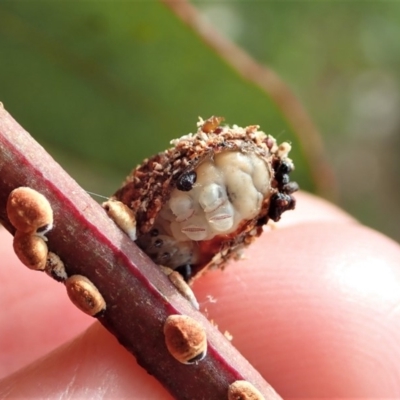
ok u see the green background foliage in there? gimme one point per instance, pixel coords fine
(104, 84)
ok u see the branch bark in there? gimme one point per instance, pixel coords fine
(138, 295)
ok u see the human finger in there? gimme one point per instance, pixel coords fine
(315, 308)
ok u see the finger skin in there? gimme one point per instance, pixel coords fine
(36, 315)
(313, 306)
(93, 365)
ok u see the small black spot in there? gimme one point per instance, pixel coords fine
(285, 179)
(154, 232)
(283, 200)
(222, 144)
(199, 357)
(185, 271)
(280, 202)
(186, 181)
(57, 277)
(262, 221)
(158, 243)
(100, 313)
(165, 257)
(283, 168)
(44, 229)
(290, 188)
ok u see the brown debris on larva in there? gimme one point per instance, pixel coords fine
(243, 390)
(211, 124)
(84, 295)
(29, 211)
(185, 339)
(31, 250)
(200, 202)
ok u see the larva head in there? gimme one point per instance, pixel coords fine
(200, 201)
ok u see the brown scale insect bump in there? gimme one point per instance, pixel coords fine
(85, 295)
(29, 211)
(185, 339)
(243, 390)
(55, 267)
(31, 250)
(122, 215)
(183, 287)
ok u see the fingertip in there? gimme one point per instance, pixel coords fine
(36, 314)
(93, 365)
(314, 307)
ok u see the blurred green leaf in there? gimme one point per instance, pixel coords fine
(104, 84)
(114, 82)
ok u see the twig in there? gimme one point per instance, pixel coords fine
(268, 81)
(138, 296)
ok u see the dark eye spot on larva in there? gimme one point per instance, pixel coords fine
(285, 179)
(158, 243)
(283, 169)
(154, 232)
(186, 181)
(290, 188)
(165, 257)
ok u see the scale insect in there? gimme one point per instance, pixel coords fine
(195, 205)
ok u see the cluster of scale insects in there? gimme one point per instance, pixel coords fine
(190, 208)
